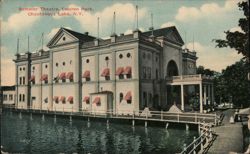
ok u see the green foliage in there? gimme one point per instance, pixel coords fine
(233, 83)
(203, 71)
(238, 40)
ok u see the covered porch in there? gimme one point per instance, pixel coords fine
(205, 89)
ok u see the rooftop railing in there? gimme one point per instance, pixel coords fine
(189, 77)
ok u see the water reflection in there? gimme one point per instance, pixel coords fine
(58, 135)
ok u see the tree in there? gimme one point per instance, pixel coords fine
(233, 84)
(203, 71)
(238, 40)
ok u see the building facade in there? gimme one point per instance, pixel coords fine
(123, 74)
(8, 95)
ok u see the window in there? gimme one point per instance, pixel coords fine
(5, 97)
(144, 55)
(120, 56)
(10, 97)
(46, 66)
(63, 99)
(145, 99)
(156, 59)
(149, 72)
(149, 56)
(23, 68)
(87, 60)
(20, 80)
(33, 98)
(128, 55)
(156, 73)
(128, 97)
(70, 99)
(63, 63)
(56, 79)
(70, 76)
(150, 98)
(121, 97)
(56, 99)
(64, 38)
(144, 73)
(86, 99)
(20, 69)
(23, 97)
(128, 72)
(119, 72)
(33, 68)
(56, 64)
(23, 80)
(86, 75)
(106, 58)
(20, 97)
(46, 100)
(106, 74)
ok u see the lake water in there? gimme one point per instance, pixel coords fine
(21, 134)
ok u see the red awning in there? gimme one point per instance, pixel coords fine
(86, 98)
(44, 77)
(70, 75)
(119, 71)
(32, 78)
(86, 74)
(127, 70)
(105, 72)
(55, 98)
(128, 96)
(97, 100)
(62, 75)
(70, 98)
(62, 98)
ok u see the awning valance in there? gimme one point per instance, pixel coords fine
(128, 96)
(70, 99)
(86, 74)
(105, 72)
(32, 78)
(55, 98)
(119, 71)
(63, 98)
(70, 75)
(62, 75)
(44, 77)
(97, 100)
(127, 70)
(86, 98)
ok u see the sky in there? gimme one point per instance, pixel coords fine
(198, 22)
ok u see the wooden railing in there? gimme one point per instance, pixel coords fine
(193, 118)
(202, 143)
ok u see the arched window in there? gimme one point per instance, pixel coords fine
(121, 97)
(23, 97)
(172, 69)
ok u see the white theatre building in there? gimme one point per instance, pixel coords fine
(122, 74)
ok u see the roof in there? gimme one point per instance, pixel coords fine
(80, 36)
(165, 32)
(7, 88)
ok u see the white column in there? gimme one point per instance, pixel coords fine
(209, 94)
(182, 98)
(205, 95)
(212, 101)
(201, 104)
